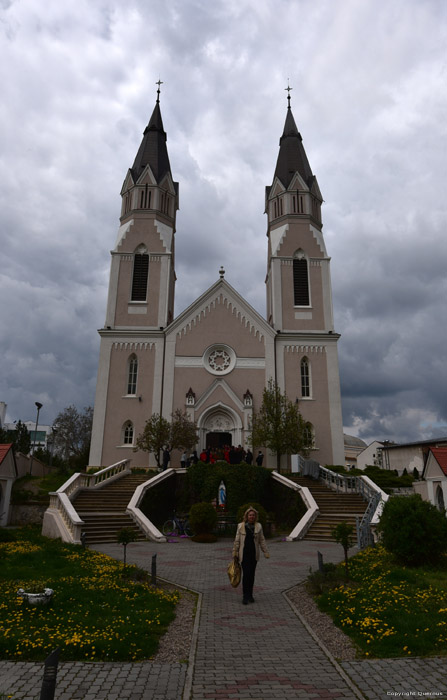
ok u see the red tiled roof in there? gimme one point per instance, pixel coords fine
(4, 449)
(440, 454)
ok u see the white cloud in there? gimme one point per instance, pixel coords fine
(368, 97)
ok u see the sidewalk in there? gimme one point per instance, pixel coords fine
(261, 651)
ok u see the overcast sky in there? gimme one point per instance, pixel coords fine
(369, 98)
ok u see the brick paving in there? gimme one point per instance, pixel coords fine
(261, 651)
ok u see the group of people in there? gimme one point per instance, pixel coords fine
(228, 453)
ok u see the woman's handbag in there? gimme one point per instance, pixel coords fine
(234, 572)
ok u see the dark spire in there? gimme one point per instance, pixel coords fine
(153, 149)
(292, 156)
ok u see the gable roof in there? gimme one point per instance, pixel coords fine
(440, 454)
(4, 449)
(204, 303)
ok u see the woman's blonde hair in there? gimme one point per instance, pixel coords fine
(248, 511)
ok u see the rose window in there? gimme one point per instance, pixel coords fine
(219, 360)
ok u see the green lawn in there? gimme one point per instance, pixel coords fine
(95, 614)
(390, 610)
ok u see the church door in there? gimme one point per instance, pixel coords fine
(217, 440)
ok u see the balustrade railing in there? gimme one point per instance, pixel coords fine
(343, 483)
(60, 500)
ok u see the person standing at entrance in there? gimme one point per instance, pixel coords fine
(248, 542)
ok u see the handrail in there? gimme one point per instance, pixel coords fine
(61, 500)
(138, 516)
(309, 516)
(369, 491)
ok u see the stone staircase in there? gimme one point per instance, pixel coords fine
(334, 508)
(104, 510)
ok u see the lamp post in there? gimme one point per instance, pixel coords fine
(39, 406)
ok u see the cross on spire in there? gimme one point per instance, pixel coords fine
(288, 88)
(159, 82)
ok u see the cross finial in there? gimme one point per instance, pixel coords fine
(288, 88)
(159, 82)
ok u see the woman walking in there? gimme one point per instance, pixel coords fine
(248, 542)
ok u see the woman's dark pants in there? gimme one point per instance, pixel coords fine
(248, 577)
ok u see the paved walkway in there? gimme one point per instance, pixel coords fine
(261, 651)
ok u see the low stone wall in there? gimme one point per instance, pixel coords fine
(27, 514)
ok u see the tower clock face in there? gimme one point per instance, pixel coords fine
(219, 359)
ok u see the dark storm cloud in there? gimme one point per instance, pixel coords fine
(369, 99)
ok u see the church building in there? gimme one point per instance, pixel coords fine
(215, 359)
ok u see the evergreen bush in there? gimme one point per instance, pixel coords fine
(413, 530)
(262, 514)
(202, 518)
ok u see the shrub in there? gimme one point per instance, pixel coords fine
(202, 518)
(7, 535)
(262, 514)
(413, 530)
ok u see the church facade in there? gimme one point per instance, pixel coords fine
(215, 359)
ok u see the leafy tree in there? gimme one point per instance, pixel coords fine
(183, 431)
(73, 432)
(414, 530)
(279, 426)
(19, 437)
(125, 536)
(343, 534)
(158, 432)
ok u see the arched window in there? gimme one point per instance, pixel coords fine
(140, 274)
(128, 433)
(132, 375)
(305, 378)
(300, 280)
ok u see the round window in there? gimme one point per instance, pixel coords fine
(219, 359)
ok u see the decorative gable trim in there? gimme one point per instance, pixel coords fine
(128, 182)
(305, 349)
(131, 345)
(147, 176)
(122, 232)
(276, 189)
(222, 300)
(277, 237)
(219, 384)
(298, 183)
(166, 233)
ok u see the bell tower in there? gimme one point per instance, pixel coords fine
(142, 278)
(299, 295)
(140, 302)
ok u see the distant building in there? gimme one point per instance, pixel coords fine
(433, 486)
(8, 474)
(409, 455)
(353, 447)
(371, 456)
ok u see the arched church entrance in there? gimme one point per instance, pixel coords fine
(219, 425)
(217, 440)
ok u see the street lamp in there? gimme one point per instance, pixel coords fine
(39, 406)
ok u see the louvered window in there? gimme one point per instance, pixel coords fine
(300, 282)
(305, 378)
(140, 274)
(132, 376)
